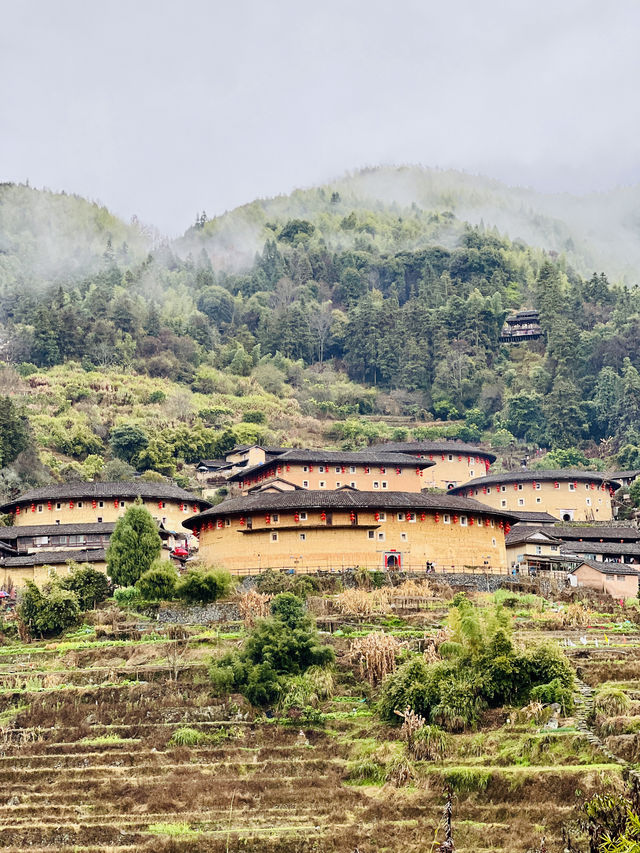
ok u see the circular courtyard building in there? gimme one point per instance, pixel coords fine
(313, 530)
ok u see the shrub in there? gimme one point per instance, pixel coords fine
(611, 701)
(254, 418)
(127, 596)
(465, 780)
(199, 586)
(284, 645)
(48, 613)
(367, 772)
(186, 736)
(90, 585)
(158, 583)
(554, 691)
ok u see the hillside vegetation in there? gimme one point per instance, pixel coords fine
(349, 325)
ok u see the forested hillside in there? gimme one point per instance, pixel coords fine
(158, 354)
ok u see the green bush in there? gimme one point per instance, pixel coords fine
(186, 736)
(466, 780)
(554, 691)
(254, 418)
(200, 586)
(158, 583)
(282, 646)
(48, 613)
(134, 546)
(91, 586)
(127, 596)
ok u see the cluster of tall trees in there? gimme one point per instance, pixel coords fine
(422, 319)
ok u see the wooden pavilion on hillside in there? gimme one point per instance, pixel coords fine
(521, 326)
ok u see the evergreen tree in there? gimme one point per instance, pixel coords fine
(133, 547)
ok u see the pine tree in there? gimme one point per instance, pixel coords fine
(134, 545)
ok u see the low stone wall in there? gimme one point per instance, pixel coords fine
(224, 611)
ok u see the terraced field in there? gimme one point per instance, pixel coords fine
(89, 760)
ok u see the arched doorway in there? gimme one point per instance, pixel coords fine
(393, 561)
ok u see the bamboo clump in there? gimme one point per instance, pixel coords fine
(375, 655)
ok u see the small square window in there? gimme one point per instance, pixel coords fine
(383, 470)
(352, 484)
(79, 504)
(227, 522)
(400, 516)
(381, 536)
(493, 542)
(338, 469)
(403, 537)
(463, 520)
(538, 500)
(303, 537)
(321, 469)
(520, 487)
(384, 484)
(450, 457)
(40, 507)
(99, 520)
(503, 502)
(352, 469)
(538, 486)
(376, 484)
(371, 534)
(322, 484)
(446, 519)
(58, 506)
(305, 468)
(520, 501)
(163, 504)
(303, 516)
(503, 488)
(275, 517)
(572, 487)
(100, 504)
(588, 501)
(305, 483)
(471, 473)
(383, 516)
(274, 537)
(338, 484)
(413, 518)
(488, 490)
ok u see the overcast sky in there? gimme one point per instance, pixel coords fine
(162, 108)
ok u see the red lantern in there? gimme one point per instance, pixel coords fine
(33, 507)
(210, 525)
(443, 457)
(288, 467)
(455, 519)
(310, 467)
(352, 517)
(484, 490)
(243, 521)
(17, 510)
(181, 507)
(533, 484)
(409, 516)
(366, 469)
(575, 484)
(49, 505)
(501, 524)
(344, 470)
(296, 516)
(459, 458)
(515, 486)
(507, 528)
(323, 516)
(397, 470)
(556, 485)
(94, 504)
(423, 516)
(115, 503)
(431, 457)
(487, 522)
(195, 508)
(436, 517)
(417, 472)
(471, 521)
(267, 518)
(71, 504)
(279, 469)
(220, 523)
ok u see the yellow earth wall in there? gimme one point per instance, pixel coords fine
(581, 504)
(618, 586)
(84, 513)
(38, 574)
(385, 479)
(447, 545)
(454, 470)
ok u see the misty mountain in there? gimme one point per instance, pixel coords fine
(597, 232)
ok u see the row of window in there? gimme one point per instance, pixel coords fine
(274, 518)
(537, 486)
(377, 535)
(521, 502)
(377, 484)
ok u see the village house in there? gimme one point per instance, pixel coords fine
(307, 530)
(533, 549)
(617, 580)
(56, 524)
(332, 469)
(454, 462)
(569, 495)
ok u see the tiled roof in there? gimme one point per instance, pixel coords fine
(74, 491)
(533, 517)
(610, 568)
(527, 476)
(459, 447)
(338, 457)
(595, 532)
(347, 500)
(618, 475)
(25, 531)
(601, 547)
(522, 533)
(57, 558)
